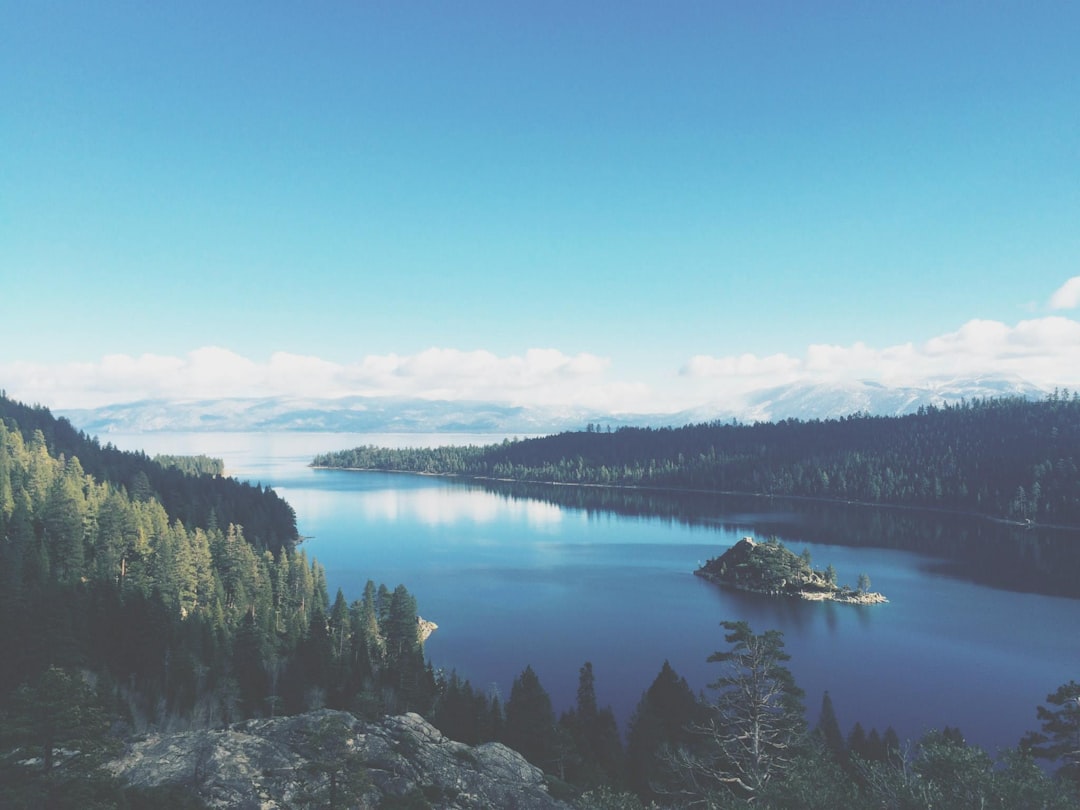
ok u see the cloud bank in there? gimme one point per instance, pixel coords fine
(1067, 296)
(540, 376)
(1044, 351)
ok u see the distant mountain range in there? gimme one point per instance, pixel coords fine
(387, 415)
(839, 399)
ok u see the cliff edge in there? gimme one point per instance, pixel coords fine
(331, 758)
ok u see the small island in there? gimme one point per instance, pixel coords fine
(770, 568)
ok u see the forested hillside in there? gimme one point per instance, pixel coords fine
(179, 621)
(1007, 458)
(199, 501)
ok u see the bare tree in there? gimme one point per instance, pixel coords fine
(754, 725)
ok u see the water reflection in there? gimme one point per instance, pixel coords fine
(439, 505)
(1033, 560)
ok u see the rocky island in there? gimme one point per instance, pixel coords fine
(771, 568)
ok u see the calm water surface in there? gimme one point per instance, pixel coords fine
(514, 581)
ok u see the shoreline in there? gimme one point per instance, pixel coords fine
(728, 492)
(840, 596)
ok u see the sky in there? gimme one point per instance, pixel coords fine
(634, 207)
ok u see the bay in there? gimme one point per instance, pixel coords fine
(533, 576)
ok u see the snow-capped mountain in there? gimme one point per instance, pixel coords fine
(835, 400)
(345, 415)
(382, 415)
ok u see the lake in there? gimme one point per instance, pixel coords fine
(553, 577)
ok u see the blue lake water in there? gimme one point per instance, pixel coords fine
(516, 581)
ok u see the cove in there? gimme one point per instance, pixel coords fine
(553, 578)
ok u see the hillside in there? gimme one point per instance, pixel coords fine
(197, 501)
(1010, 459)
(174, 623)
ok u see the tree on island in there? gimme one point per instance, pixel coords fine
(863, 583)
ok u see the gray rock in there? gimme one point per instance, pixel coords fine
(330, 758)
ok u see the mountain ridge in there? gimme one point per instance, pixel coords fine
(358, 414)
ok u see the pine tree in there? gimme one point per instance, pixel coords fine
(856, 741)
(1059, 739)
(7, 498)
(595, 735)
(249, 668)
(828, 729)
(63, 518)
(59, 718)
(756, 721)
(660, 725)
(530, 721)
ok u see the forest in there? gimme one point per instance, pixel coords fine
(115, 590)
(198, 501)
(125, 610)
(1010, 458)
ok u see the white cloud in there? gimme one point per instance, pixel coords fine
(742, 366)
(1067, 296)
(1044, 351)
(540, 376)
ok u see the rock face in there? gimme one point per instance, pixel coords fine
(424, 628)
(330, 758)
(772, 569)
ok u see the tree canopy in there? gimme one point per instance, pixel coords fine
(1008, 458)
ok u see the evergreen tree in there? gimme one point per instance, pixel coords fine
(249, 667)
(367, 625)
(1059, 739)
(7, 498)
(595, 736)
(57, 720)
(336, 774)
(660, 725)
(756, 722)
(455, 711)
(400, 628)
(530, 721)
(63, 517)
(828, 729)
(890, 742)
(856, 741)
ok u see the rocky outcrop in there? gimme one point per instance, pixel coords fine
(424, 628)
(330, 758)
(772, 569)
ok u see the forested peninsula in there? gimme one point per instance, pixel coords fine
(1008, 459)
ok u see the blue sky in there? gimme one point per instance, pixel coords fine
(628, 205)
